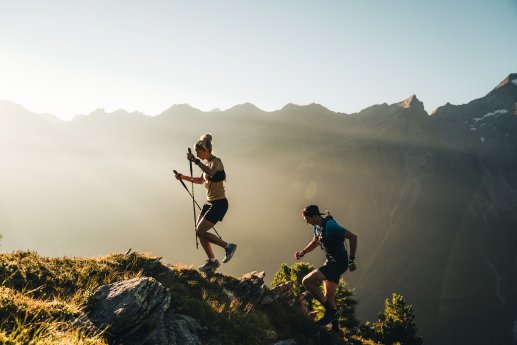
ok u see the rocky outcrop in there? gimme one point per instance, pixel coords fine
(137, 311)
(174, 329)
(124, 308)
(252, 284)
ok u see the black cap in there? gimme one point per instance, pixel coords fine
(311, 210)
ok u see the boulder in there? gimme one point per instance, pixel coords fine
(252, 284)
(136, 312)
(127, 306)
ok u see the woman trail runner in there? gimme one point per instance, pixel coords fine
(331, 237)
(215, 208)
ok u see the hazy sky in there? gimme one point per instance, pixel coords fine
(71, 57)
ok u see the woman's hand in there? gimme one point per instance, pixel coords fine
(299, 255)
(190, 156)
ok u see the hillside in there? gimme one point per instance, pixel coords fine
(136, 299)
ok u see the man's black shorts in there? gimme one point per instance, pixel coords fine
(214, 211)
(333, 270)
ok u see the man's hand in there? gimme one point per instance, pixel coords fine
(352, 264)
(299, 255)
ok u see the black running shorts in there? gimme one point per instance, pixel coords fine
(214, 211)
(333, 270)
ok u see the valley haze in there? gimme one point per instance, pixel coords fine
(432, 197)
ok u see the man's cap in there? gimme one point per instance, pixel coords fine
(311, 210)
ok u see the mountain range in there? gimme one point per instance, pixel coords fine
(432, 197)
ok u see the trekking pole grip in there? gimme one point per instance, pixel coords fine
(193, 198)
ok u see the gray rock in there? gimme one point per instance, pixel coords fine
(172, 329)
(252, 284)
(186, 330)
(283, 291)
(123, 308)
(136, 312)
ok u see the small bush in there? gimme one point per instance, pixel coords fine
(396, 324)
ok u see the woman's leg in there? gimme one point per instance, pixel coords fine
(206, 238)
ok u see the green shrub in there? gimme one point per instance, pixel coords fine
(396, 324)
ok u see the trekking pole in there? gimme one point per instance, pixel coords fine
(193, 199)
(199, 207)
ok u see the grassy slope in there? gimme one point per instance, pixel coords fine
(39, 297)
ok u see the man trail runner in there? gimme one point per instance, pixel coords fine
(331, 237)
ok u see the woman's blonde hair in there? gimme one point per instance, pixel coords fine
(205, 142)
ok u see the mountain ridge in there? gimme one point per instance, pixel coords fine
(431, 196)
(509, 82)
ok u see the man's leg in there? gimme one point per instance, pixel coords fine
(330, 293)
(329, 303)
(312, 283)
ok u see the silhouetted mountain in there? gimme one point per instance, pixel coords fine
(12, 112)
(433, 198)
(485, 126)
(181, 110)
(411, 102)
(245, 108)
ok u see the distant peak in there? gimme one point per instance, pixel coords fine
(511, 79)
(180, 110)
(411, 102)
(182, 107)
(443, 108)
(118, 112)
(290, 106)
(244, 107)
(317, 106)
(6, 105)
(98, 112)
(312, 107)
